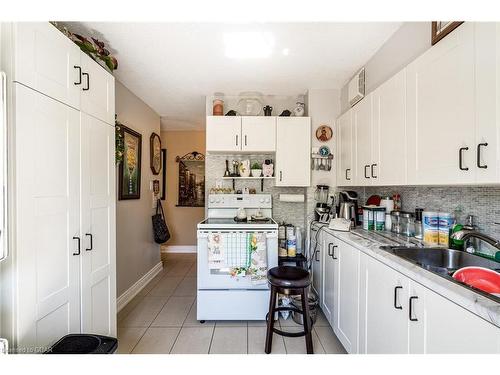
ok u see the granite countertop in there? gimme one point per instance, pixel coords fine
(370, 243)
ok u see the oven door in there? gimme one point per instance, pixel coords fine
(210, 279)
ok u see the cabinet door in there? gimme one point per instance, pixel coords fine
(97, 91)
(223, 133)
(389, 126)
(345, 149)
(329, 272)
(487, 146)
(383, 309)
(439, 326)
(440, 112)
(293, 151)
(317, 263)
(98, 227)
(346, 304)
(258, 133)
(47, 61)
(48, 218)
(362, 118)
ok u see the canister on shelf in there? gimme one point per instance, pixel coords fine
(291, 244)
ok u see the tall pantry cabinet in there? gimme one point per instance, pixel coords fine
(61, 273)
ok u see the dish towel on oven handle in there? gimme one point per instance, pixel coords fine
(216, 258)
(257, 246)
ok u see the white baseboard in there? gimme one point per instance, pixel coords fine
(131, 292)
(179, 249)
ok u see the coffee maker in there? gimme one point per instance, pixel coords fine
(348, 206)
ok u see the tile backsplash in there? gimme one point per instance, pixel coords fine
(482, 202)
(290, 213)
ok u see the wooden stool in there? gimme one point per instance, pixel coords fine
(289, 281)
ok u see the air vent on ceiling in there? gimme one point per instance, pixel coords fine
(357, 87)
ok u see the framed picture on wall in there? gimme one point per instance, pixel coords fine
(129, 172)
(155, 153)
(191, 180)
(163, 174)
(439, 29)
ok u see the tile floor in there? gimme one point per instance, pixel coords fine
(162, 319)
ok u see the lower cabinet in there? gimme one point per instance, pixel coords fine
(316, 261)
(373, 308)
(398, 315)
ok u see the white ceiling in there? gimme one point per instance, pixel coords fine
(173, 66)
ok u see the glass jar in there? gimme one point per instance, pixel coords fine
(218, 107)
(407, 224)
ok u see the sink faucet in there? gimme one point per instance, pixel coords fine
(465, 234)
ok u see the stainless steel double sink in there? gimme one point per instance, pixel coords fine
(444, 262)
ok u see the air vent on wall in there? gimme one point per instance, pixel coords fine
(357, 87)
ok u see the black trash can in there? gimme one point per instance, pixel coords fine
(84, 344)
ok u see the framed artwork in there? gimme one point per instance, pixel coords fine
(155, 153)
(324, 133)
(191, 180)
(164, 174)
(129, 173)
(439, 29)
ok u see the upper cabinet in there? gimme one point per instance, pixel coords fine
(293, 151)
(441, 111)
(345, 149)
(389, 132)
(258, 133)
(47, 61)
(436, 122)
(241, 134)
(97, 91)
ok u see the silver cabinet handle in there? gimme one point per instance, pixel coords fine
(372, 167)
(236, 139)
(281, 176)
(245, 139)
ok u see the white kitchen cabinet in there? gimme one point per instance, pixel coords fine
(47, 231)
(383, 324)
(346, 294)
(389, 132)
(97, 90)
(98, 256)
(293, 151)
(487, 79)
(345, 150)
(258, 133)
(45, 60)
(223, 133)
(317, 262)
(362, 120)
(328, 300)
(441, 111)
(438, 326)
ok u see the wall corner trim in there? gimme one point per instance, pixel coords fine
(179, 249)
(131, 292)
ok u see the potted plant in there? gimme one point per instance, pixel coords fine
(256, 169)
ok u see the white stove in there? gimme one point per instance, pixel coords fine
(220, 295)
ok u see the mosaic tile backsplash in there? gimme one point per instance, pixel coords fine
(290, 213)
(482, 202)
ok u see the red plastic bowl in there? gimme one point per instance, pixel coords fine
(481, 278)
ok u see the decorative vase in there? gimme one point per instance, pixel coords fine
(245, 168)
(256, 172)
(268, 170)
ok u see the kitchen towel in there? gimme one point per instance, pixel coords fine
(216, 258)
(258, 258)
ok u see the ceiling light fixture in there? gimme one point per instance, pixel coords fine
(248, 45)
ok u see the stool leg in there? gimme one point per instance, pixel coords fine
(270, 320)
(307, 321)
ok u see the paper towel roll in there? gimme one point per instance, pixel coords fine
(297, 198)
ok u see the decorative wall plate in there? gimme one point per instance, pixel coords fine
(324, 133)
(155, 153)
(324, 150)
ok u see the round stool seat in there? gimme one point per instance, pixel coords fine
(289, 277)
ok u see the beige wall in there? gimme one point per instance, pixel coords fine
(181, 220)
(136, 251)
